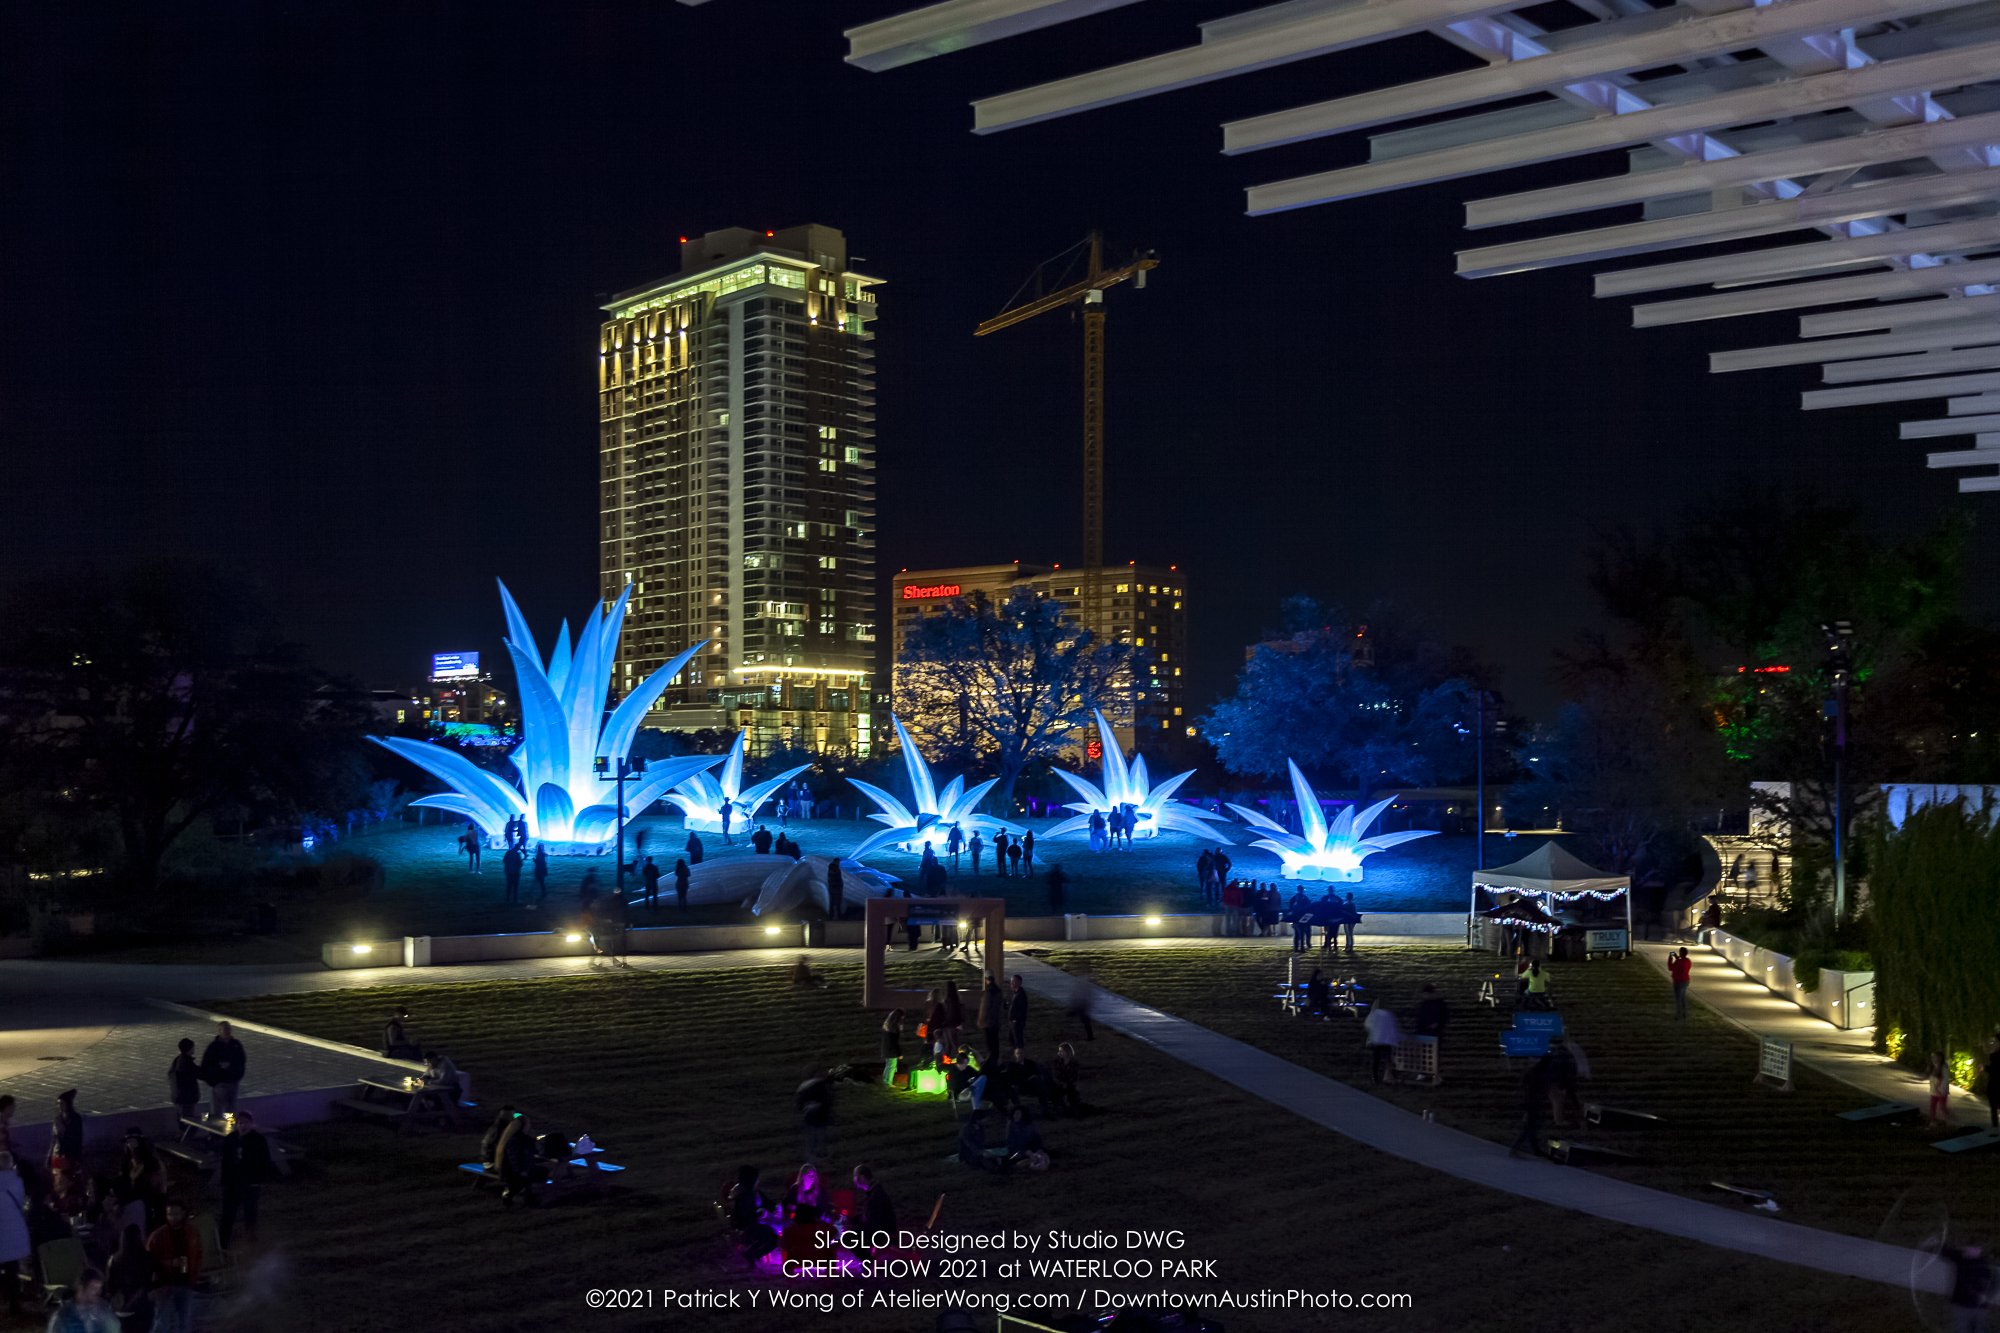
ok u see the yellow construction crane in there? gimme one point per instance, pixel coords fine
(1089, 291)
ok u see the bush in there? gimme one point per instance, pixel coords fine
(1936, 924)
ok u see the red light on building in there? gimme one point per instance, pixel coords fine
(917, 592)
(1764, 670)
(1094, 751)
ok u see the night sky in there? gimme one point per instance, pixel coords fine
(311, 292)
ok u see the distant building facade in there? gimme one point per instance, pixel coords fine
(736, 402)
(1143, 605)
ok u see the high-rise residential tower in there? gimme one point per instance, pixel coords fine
(737, 407)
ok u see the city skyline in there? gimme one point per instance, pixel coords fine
(370, 301)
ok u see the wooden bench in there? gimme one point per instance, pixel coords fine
(1879, 1111)
(1984, 1138)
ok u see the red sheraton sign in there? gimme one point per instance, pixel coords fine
(915, 592)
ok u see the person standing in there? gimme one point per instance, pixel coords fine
(223, 1065)
(1014, 856)
(836, 889)
(1017, 1013)
(992, 1011)
(1381, 1035)
(1204, 871)
(649, 878)
(954, 843)
(1221, 869)
(66, 1134)
(245, 1166)
(1993, 1079)
(541, 873)
(1680, 969)
(1352, 920)
(976, 847)
(681, 877)
(1058, 883)
(693, 849)
(475, 842)
(728, 816)
(16, 1244)
(1535, 1089)
(184, 1081)
(1000, 854)
(1971, 1286)
(176, 1249)
(1939, 1073)
(1028, 852)
(1096, 830)
(510, 866)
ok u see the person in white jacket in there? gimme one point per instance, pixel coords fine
(1381, 1036)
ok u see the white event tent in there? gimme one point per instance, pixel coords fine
(1551, 875)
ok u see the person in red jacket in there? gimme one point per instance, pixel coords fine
(176, 1250)
(1680, 967)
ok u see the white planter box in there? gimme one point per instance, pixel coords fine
(1836, 995)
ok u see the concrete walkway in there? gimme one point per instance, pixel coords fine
(1377, 1124)
(1847, 1055)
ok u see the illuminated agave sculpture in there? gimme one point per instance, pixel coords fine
(702, 796)
(1129, 784)
(1325, 851)
(563, 734)
(936, 811)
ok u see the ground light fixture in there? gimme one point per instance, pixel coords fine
(573, 938)
(1152, 921)
(362, 948)
(772, 930)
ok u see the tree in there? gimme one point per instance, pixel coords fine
(1724, 614)
(161, 698)
(1934, 927)
(1631, 765)
(1365, 706)
(1006, 685)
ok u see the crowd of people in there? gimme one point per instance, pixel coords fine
(132, 1222)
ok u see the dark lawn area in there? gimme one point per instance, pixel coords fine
(684, 1075)
(1881, 1180)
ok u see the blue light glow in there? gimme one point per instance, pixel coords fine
(1325, 852)
(1129, 784)
(563, 733)
(702, 796)
(930, 824)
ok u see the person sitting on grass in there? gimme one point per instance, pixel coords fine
(750, 1216)
(964, 1074)
(805, 1192)
(803, 976)
(86, 1310)
(489, 1143)
(1064, 1072)
(128, 1277)
(1024, 1142)
(873, 1209)
(972, 1149)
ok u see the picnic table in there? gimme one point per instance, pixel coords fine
(204, 1155)
(403, 1104)
(586, 1169)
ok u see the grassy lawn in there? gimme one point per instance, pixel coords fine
(684, 1075)
(1882, 1181)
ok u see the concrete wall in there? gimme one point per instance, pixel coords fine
(1830, 1000)
(445, 950)
(104, 1133)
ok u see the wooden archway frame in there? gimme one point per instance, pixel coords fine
(876, 993)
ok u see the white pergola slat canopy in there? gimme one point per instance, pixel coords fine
(1871, 126)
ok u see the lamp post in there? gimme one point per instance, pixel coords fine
(1839, 663)
(624, 768)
